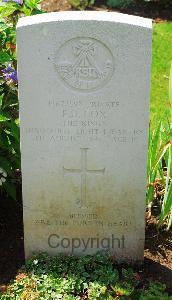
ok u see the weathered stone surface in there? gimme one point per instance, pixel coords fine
(84, 103)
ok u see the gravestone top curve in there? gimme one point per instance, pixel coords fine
(85, 16)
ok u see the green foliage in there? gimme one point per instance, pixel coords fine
(160, 108)
(81, 4)
(166, 211)
(159, 154)
(119, 3)
(156, 291)
(10, 11)
(69, 278)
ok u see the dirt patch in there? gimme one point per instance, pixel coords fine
(55, 5)
(158, 254)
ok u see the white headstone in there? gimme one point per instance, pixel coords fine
(84, 82)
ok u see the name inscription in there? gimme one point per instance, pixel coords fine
(76, 121)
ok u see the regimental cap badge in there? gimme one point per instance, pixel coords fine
(84, 63)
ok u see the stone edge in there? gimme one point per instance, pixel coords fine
(85, 16)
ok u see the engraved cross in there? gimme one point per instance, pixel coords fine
(83, 171)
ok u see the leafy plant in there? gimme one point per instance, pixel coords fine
(155, 291)
(166, 211)
(71, 278)
(160, 166)
(81, 4)
(160, 169)
(119, 3)
(10, 11)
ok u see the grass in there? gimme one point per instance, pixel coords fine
(162, 58)
(160, 135)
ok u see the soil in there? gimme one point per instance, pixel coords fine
(158, 254)
(158, 247)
